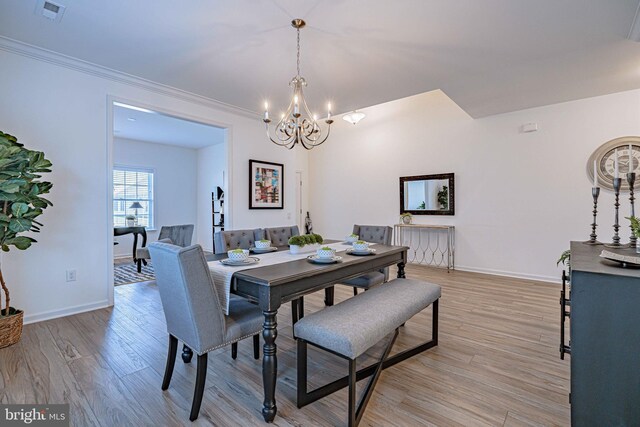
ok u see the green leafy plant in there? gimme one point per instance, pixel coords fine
(635, 225)
(306, 239)
(21, 200)
(422, 205)
(325, 248)
(565, 258)
(443, 196)
(405, 215)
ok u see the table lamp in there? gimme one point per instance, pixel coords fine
(136, 206)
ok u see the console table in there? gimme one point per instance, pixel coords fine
(432, 245)
(135, 230)
(605, 339)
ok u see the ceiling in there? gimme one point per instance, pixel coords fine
(489, 56)
(158, 128)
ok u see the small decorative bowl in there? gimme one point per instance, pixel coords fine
(235, 255)
(326, 253)
(360, 246)
(352, 238)
(263, 244)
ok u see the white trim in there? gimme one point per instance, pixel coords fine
(538, 277)
(53, 314)
(51, 57)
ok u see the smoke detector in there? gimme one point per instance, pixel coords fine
(50, 10)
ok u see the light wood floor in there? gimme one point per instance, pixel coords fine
(496, 364)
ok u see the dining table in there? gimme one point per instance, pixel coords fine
(272, 285)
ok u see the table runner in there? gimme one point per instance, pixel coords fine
(222, 274)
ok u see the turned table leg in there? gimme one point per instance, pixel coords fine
(269, 364)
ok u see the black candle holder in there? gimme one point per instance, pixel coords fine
(631, 179)
(617, 183)
(595, 192)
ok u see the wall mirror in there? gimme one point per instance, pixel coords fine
(427, 194)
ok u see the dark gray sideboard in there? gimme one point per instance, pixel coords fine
(605, 340)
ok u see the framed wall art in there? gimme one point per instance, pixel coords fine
(266, 181)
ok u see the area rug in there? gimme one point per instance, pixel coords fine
(128, 273)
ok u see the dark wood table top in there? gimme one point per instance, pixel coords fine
(586, 258)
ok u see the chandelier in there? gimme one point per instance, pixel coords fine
(297, 125)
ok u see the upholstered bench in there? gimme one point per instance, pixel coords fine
(352, 327)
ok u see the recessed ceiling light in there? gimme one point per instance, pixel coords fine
(131, 107)
(131, 119)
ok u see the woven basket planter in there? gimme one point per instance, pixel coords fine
(11, 327)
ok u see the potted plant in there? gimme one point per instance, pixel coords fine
(406, 218)
(130, 220)
(565, 259)
(635, 228)
(305, 243)
(21, 202)
(443, 197)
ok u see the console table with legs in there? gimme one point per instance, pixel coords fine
(432, 245)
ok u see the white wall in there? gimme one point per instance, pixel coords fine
(175, 178)
(212, 163)
(520, 197)
(54, 106)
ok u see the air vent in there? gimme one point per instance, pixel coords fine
(49, 10)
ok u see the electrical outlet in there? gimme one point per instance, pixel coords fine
(71, 275)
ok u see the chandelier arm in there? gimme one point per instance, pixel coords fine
(278, 141)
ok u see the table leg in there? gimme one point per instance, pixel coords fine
(135, 245)
(269, 364)
(401, 274)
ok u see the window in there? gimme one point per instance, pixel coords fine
(132, 185)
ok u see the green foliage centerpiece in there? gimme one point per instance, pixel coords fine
(21, 202)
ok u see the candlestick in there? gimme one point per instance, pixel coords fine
(329, 111)
(630, 159)
(595, 192)
(595, 175)
(616, 175)
(296, 109)
(266, 111)
(617, 183)
(631, 179)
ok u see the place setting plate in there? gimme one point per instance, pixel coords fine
(262, 250)
(249, 261)
(361, 253)
(317, 260)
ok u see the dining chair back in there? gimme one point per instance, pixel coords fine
(280, 236)
(180, 235)
(236, 239)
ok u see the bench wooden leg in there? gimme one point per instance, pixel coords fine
(328, 296)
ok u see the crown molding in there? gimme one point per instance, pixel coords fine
(34, 52)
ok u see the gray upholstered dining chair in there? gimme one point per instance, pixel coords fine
(236, 239)
(280, 236)
(179, 235)
(372, 234)
(193, 311)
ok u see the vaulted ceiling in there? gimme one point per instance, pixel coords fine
(489, 56)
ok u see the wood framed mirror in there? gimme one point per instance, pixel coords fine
(428, 194)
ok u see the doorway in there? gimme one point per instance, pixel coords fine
(164, 169)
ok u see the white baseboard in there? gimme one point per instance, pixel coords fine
(540, 278)
(53, 314)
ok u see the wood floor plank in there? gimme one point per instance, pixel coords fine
(52, 378)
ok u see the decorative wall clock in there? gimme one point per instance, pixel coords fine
(605, 159)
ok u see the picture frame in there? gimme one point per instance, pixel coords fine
(266, 185)
(428, 194)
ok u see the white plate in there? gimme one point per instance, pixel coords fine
(250, 260)
(263, 250)
(361, 253)
(316, 259)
